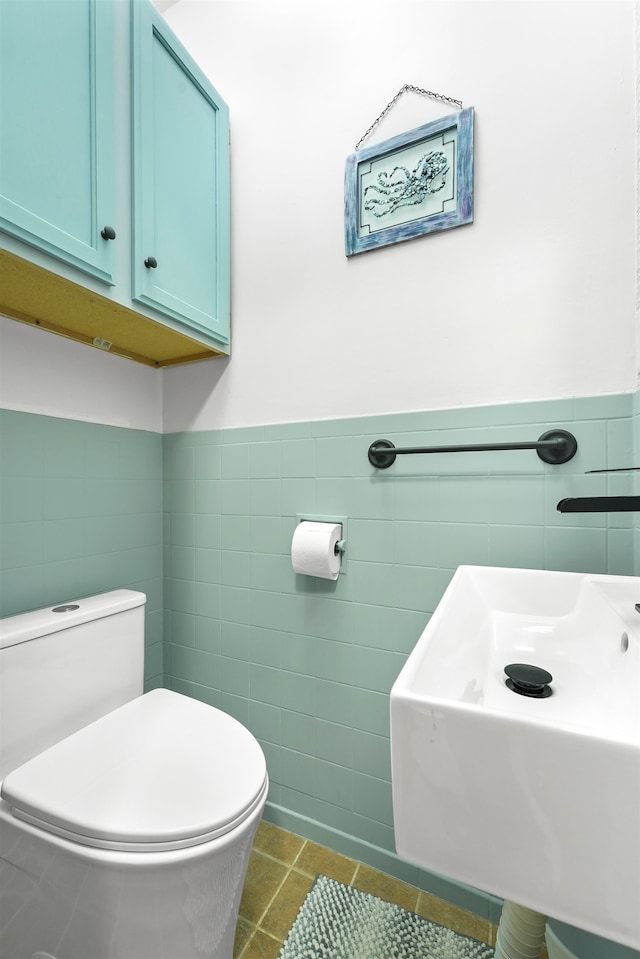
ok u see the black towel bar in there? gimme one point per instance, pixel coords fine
(554, 446)
(599, 504)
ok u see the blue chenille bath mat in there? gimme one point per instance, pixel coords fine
(340, 922)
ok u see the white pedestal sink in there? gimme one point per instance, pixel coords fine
(535, 800)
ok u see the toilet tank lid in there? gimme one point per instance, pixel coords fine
(52, 619)
(162, 772)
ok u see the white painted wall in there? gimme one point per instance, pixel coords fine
(535, 300)
(46, 374)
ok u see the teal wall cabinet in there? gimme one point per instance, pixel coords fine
(114, 183)
(180, 181)
(57, 189)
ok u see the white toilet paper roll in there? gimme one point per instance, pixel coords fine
(313, 549)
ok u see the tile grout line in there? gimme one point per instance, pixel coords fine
(258, 925)
(252, 936)
(289, 868)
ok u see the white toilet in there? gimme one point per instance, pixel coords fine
(126, 820)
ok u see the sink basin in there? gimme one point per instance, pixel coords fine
(533, 799)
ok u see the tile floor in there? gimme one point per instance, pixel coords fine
(282, 870)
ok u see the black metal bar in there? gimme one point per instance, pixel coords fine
(599, 504)
(480, 447)
(554, 446)
(616, 469)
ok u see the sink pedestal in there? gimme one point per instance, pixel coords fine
(520, 933)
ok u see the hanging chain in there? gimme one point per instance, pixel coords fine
(407, 86)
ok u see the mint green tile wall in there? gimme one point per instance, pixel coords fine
(308, 664)
(80, 513)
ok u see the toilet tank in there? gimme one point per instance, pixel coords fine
(63, 667)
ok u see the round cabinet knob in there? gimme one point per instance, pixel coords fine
(151, 263)
(108, 233)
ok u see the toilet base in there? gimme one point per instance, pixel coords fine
(66, 901)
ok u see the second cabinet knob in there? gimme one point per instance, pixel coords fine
(108, 233)
(151, 263)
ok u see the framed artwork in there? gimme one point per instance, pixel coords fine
(413, 184)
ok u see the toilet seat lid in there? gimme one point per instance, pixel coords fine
(162, 772)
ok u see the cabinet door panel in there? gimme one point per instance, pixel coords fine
(57, 128)
(181, 182)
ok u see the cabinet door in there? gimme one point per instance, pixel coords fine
(180, 183)
(57, 128)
